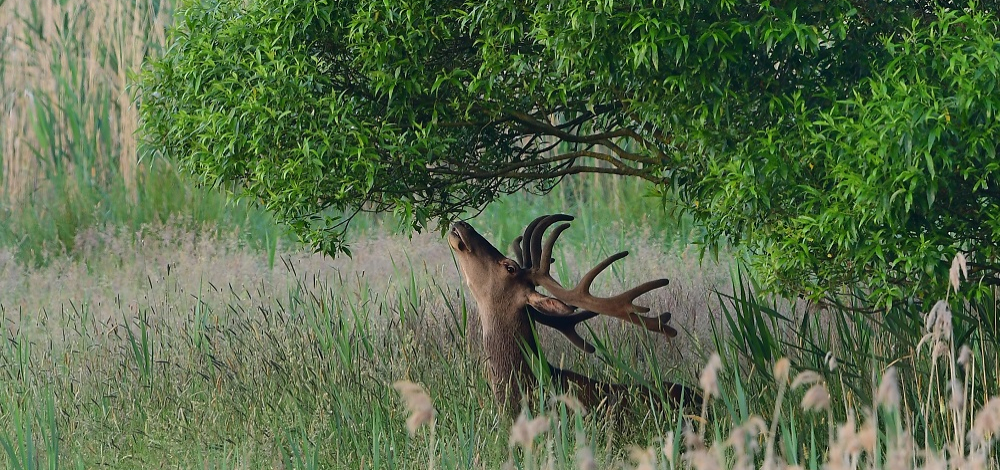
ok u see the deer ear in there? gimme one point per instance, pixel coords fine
(549, 305)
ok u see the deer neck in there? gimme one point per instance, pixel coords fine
(509, 344)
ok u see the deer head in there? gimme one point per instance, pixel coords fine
(499, 284)
(505, 292)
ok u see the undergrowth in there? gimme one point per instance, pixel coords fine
(197, 354)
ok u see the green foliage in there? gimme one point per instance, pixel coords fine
(881, 185)
(842, 144)
(49, 223)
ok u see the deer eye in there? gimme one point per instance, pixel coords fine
(510, 269)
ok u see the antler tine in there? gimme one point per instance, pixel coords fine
(537, 255)
(620, 306)
(658, 323)
(635, 292)
(515, 246)
(566, 324)
(588, 279)
(526, 241)
(546, 258)
(537, 260)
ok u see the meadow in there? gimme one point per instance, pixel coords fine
(150, 323)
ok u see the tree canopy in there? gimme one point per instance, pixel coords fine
(843, 143)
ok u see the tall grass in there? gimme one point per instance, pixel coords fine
(64, 91)
(185, 351)
(69, 158)
(182, 351)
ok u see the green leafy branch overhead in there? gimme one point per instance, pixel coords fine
(844, 143)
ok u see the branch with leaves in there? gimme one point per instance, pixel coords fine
(844, 145)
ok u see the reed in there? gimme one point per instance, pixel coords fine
(64, 89)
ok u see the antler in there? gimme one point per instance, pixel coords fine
(566, 324)
(537, 259)
(528, 249)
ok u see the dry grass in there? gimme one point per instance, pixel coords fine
(166, 326)
(64, 97)
(301, 357)
(174, 270)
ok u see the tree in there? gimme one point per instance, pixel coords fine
(843, 143)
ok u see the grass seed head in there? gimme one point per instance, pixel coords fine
(938, 321)
(831, 361)
(866, 437)
(692, 441)
(888, 390)
(745, 443)
(965, 356)
(571, 402)
(850, 443)
(839, 446)
(668, 446)
(781, 369)
(958, 267)
(745, 435)
(709, 379)
(417, 402)
(957, 401)
(585, 458)
(806, 377)
(975, 460)
(644, 457)
(934, 461)
(941, 349)
(987, 424)
(524, 431)
(816, 398)
(704, 459)
(901, 453)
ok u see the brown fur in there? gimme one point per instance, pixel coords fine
(503, 291)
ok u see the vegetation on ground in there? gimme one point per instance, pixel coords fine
(184, 351)
(149, 323)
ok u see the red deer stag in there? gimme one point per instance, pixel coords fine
(504, 290)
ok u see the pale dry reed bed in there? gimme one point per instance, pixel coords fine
(165, 346)
(69, 151)
(64, 97)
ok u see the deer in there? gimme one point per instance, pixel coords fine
(510, 306)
